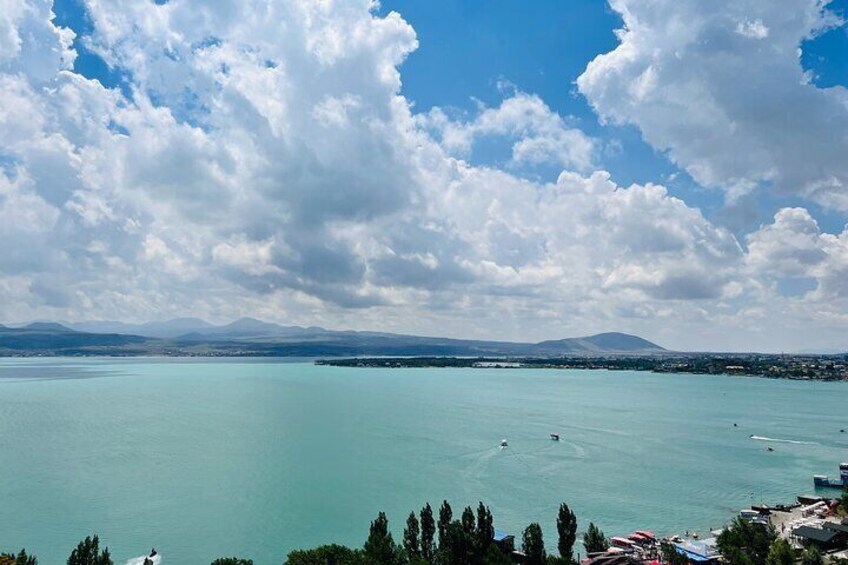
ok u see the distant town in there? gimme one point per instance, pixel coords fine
(798, 367)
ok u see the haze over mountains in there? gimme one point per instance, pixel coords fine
(248, 336)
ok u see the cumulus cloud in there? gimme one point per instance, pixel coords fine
(262, 160)
(538, 134)
(720, 87)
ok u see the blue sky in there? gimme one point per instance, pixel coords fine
(468, 50)
(495, 169)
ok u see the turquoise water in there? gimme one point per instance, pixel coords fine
(219, 457)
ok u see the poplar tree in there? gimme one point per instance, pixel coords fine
(428, 532)
(445, 517)
(567, 530)
(533, 545)
(411, 537)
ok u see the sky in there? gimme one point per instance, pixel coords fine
(675, 169)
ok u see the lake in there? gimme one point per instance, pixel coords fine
(208, 458)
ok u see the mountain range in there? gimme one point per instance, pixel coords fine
(251, 337)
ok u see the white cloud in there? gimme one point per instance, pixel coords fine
(538, 134)
(268, 165)
(737, 114)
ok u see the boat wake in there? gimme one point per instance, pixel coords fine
(156, 559)
(780, 440)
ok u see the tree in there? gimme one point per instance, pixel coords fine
(567, 530)
(672, 557)
(20, 558)
(812, 556)
(428, 531)
(745, 542)
(232, 561)
(411, 537)
(457, 547)
(469, 524)
(594, 540)
(533, 545)
(326, 555)
(485, 529)
(445, 517)
(494, 556)
(88, 553)
(780, 553)
(380, 547)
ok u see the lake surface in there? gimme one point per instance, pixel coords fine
(207, 458)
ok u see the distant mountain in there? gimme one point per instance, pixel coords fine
(601, 343)
(46, 338)
(248, 336)
(166, 329)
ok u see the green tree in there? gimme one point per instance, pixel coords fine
(469, 524)
(494, 556)
(672, 557)
(411, 537)
(812, 556)
(533, 545)
(457, 547)
(380, 547)
(485, 529)
(780, 553)
(594, 540)
(20, 558)
(445, 518)
(428, 532)
(326, 555)
(88, 553)
(567, 530)
(232, 561)
(745, 542)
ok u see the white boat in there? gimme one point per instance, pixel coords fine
(504, 443)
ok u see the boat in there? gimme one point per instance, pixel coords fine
(646, 534)
(555, 437)
(769, 449)
(504, 443)
(623, 543)
(825, 482)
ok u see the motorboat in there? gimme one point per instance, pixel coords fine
(504, 443)
(555, 437)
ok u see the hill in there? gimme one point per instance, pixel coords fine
(251, 337)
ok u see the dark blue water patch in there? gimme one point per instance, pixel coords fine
(52, 372)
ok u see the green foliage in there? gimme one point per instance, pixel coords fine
(672, 557)
(780, 553)
(428, 532)
(594, 540)
(445, 518)
(469, 524)
(411, 533)
(326, 555)
(494, 556)
(533, 545)
(88, 553)
(746, 543)
(380, 548)
(20, 558)
(485, 529)
(232, 561)
(567, 531)
(812, 556)
(458, 546)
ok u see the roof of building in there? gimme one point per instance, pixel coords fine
(833, 526)
(500, 535)
(815, 534)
